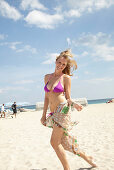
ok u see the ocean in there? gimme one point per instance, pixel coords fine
(95, 101)
(99, 101)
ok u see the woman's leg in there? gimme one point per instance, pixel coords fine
(69, 143)
(89, 159)
(56, 144)
(4, 114)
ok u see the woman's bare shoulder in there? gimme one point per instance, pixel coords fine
(67, 77)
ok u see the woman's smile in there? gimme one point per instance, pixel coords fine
(61, 64)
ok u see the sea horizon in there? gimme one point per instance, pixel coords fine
(33, 105)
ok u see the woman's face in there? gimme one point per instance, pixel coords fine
(61, 63)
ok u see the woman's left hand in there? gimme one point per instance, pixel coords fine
(78, 107)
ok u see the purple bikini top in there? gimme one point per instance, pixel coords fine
(57, 89)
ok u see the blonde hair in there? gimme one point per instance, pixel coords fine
(71, 64)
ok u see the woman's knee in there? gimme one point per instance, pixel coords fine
(53, 143)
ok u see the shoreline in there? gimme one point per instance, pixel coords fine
(33, 107)
(99, 101)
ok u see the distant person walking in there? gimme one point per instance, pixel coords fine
(2, 111)
(14, 108)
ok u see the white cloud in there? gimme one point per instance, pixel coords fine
(13, 45)
(13, 88)
(9, 11)
(103, 3)
(58, 9)
(72, 13)
(43, 20)
(81, 7)
(32, 4)
(99, 80)
(2, 36)
(19, 47)
(27, 48)
(85, 53)
(65, 10)
(98, 46)
(87, 39)
(105, 52)
(51, 58)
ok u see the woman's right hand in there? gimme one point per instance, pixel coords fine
(43, 119)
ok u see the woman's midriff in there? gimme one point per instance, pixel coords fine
(55, 99)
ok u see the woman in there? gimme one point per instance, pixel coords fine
(57, 96)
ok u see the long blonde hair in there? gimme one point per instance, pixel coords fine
(71, 64)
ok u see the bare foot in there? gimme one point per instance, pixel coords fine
(91, 162)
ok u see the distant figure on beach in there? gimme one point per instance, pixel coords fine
(57, 97)
(110, 101)
(14, 108)
(3, 111)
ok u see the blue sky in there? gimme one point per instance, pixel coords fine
(34, 32)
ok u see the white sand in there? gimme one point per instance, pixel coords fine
(25, 143)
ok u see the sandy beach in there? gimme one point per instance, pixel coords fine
(25, 143)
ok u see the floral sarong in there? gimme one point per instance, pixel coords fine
(62, 118)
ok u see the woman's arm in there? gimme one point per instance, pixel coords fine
(46, 103)
(67, 85)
